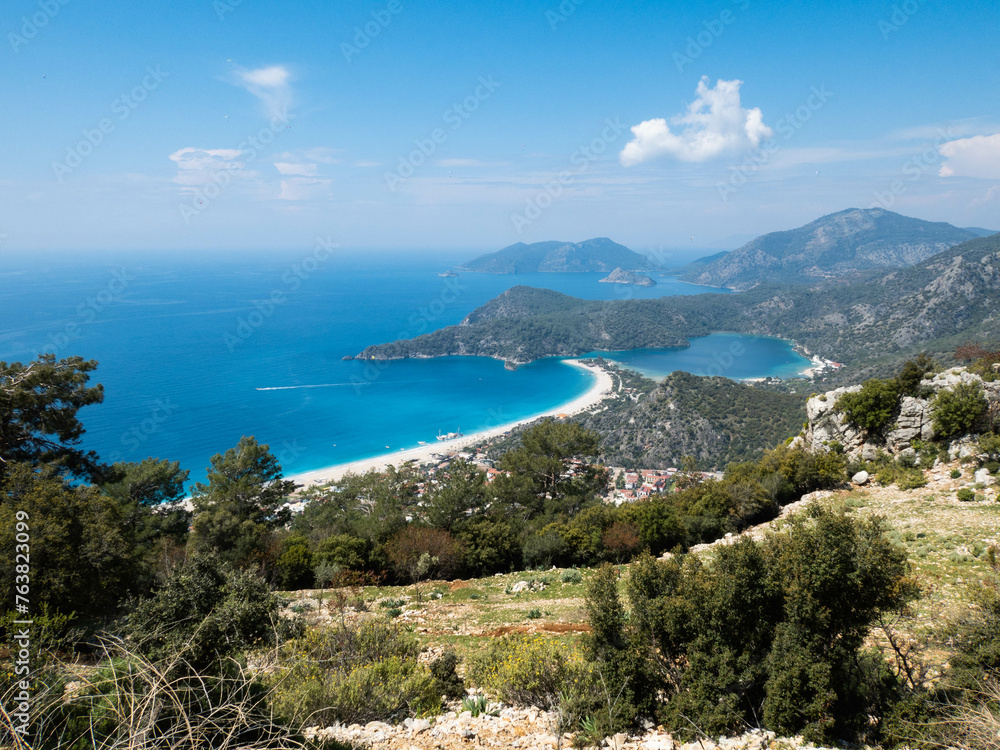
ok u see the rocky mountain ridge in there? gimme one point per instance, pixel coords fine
(839, 245)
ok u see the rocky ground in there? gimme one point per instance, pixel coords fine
(522, 728)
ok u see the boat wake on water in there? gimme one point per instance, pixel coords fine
(319, 385)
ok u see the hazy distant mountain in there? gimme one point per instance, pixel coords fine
(841, 244)
(599, 254)
(935, 305)
(980, 232)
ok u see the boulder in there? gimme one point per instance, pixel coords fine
(860, 478)
(416, 725)
(983, 476)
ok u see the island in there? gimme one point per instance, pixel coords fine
(598, 254)
(621, 276)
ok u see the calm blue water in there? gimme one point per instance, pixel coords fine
(731, 355)
(187, 342)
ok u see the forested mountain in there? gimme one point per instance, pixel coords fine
(598, 254)
(715, 420)
(841, 244)
(947, 299)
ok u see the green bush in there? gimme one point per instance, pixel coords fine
(903, 477)
(768, 634)
(210, 612)
(526, 670)
(353, 674)
(449, 683)
(955, 473)
(965, 495)
(571, 576)
(958, 411)
(872, 408)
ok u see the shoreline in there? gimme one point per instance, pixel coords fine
(601, 388)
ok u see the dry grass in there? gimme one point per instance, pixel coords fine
(131, 703)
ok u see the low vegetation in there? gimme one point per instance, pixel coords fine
(154, 634)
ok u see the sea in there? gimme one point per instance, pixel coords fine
(196, 350)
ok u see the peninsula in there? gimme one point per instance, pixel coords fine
(948, 297)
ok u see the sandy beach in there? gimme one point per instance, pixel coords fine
(602, 387)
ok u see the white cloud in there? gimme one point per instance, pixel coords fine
(304, 189)
(198, 166)
(715, 124)
(978, 156)
(271, 85)
(322, 154)
(302, 170)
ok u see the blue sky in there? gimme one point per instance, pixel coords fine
(256, 124)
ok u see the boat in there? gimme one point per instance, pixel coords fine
(448, 274)
(421, 442)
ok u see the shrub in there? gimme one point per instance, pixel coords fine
(526, 670)
(418, 552)
(449, 683)
(955, 473)
(571, 576)
(958, 411)
(990, 445)
(769, 632)
(354, 674)
(294, 568)
(904, 478)
(534, 614)
(872, 408)
(209, 610)
(965, 495)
